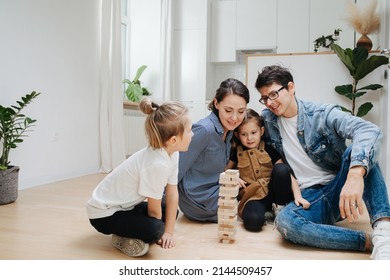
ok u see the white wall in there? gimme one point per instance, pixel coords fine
(52, 46)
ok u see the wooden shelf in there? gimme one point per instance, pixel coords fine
(130, 105)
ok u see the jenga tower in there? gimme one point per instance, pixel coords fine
(227, 205)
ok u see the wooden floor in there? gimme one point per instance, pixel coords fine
(49, 222)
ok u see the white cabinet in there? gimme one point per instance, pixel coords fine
(289, 26)
(316, 18)
(242, 25)
(223, 31)
(256, 24)
(293, 26)
(190, 41)
(190, 65)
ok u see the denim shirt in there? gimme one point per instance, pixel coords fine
(322, 131)
(206, 158)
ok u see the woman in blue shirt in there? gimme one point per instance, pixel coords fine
(209, 151)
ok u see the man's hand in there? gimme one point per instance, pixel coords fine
(351, 196)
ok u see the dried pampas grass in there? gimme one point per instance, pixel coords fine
(365, 21)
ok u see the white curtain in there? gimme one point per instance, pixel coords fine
(166, 57)
(112, 148)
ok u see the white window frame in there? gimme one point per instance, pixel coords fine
(125, 40)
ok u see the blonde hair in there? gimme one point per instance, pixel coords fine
(163, 121)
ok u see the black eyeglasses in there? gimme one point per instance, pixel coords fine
(272, 96)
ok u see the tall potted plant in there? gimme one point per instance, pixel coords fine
(359, 65)
(13, 127)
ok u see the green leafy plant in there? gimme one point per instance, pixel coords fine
(326, 41)
(359, 65)
(13, 127)
(135, 90)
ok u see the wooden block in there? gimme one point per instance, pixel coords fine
(227, 233)
(228, 191)
(227, 212)
(226, 215)
(222, 201)
(231, 179)
(230, 212)
(227, 218)
(228, 209)
(227, 241)
(227, 221)
(228, 181)
(228, 198)
(227, 228)
(232, 172)
(223, 217)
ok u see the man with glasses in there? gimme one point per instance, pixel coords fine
(337, 180)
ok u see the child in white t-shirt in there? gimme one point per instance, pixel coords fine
(128, 203)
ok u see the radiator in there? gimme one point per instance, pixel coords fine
(134, 131)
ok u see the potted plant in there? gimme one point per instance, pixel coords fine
(13, 127)
(364, 20)
(135, 90)
(326, 41)
(359, 65)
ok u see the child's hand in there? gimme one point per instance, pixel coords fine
(301, 201)
(167, 240)
(242, 183)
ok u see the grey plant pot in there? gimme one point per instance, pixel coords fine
(9, 185)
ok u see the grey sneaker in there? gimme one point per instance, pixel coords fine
(130, 246)
(381, 241)
(277, 208)
(269, 216)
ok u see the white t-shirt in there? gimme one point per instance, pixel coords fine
(307, 172)
(144, 174)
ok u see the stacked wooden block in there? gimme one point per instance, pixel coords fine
(227, 205)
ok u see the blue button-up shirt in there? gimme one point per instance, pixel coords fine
(200, 167)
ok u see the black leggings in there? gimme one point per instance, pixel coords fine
(134, 223)
(280, 192)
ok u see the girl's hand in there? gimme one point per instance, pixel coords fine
(301, 201)
(242, 183)
(167, 240)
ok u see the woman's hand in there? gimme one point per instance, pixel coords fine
(167, 240)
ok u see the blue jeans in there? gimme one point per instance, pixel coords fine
(315, 226)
